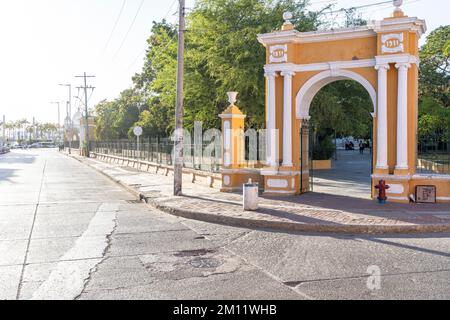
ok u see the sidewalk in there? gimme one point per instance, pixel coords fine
(312, 212)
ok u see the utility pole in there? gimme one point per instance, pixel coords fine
(178, 172)
(86, 111)
(69, 113)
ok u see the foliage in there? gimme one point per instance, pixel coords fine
(222, 54)
(344, 108)
(434, 102)
(435, 66)
(323, 145)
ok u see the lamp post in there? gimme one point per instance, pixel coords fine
(69, 114)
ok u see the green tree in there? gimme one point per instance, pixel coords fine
(434, 102)
(435, 66)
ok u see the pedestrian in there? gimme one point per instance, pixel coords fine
(361, 147)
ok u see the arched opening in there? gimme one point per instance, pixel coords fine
(340, 111)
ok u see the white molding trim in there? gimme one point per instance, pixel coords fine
(277, 183)
(283, 58)
(397, 58)
(307, 93)
(269, 172)
(322, 66)
(431, 177)
(294, 36)
(391, 177)
(402, 24)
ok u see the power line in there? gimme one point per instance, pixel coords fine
(115, 24)
(130, 28)
(168, 43)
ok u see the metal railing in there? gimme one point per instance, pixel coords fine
(434, 153)
(160, 151)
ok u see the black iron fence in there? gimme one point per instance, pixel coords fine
(202, 157)
(434, 153)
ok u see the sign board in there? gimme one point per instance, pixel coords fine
(426, 194)
(138, 131)
(278, 53)
(392, 43)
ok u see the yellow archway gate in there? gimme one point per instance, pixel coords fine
(383, 58)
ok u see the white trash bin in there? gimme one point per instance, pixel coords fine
(251, 196)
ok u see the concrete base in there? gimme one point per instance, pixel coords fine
(322, 164)
(234, 179)
(403, 187)
(281, 182)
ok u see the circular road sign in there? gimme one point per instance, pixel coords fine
(138, 131)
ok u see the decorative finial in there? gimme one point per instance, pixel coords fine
(398, 4)
(398, 12)
(287, 16)
(232, 97)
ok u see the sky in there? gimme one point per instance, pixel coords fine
(47, 42)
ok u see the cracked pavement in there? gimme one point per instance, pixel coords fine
(68, 232)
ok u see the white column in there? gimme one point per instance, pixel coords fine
(402, 116)
(382, 141)
(287, 119)
(272, 124)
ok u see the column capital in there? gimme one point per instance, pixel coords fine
(382, 66)
(403, 65)
(270, 74)
(288, 73)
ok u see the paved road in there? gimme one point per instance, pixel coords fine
(67, 232)
(350, 176)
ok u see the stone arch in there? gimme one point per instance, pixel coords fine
(309, 90)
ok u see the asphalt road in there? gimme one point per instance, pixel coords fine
(68, 232)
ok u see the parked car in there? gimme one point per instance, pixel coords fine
(4, 149)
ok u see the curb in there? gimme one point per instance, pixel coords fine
(274, 225)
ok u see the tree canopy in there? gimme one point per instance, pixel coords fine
(222, 54)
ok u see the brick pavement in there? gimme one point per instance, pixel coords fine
(312, 212)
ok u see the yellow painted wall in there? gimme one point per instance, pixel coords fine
(341, 50)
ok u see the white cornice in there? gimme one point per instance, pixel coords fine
(386, 25)
(397, 58)
(291, 67)
(294, 36)
(400, 24)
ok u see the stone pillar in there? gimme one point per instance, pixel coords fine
(382, 139)
(287, 119)
(402, 116)
(272, 142)
(234, 173)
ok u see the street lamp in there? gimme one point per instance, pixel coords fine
(69, 114)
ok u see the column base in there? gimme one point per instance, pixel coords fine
(401, 171)
(399, 187)
(284, 182)
(381, 170)
(234, 179)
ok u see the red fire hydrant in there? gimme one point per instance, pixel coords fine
(382, 187)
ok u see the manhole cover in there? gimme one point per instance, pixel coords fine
(205, 263)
